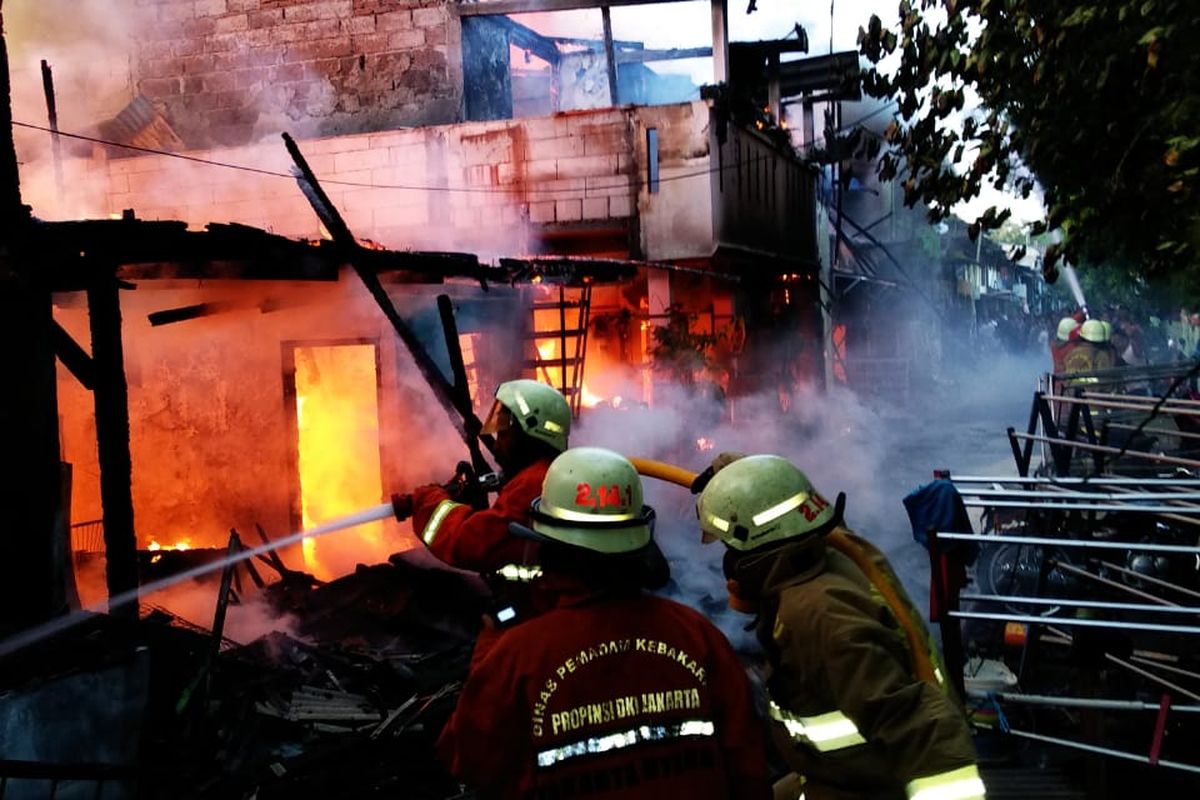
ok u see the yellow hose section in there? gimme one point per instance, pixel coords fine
(917, 643)
(664, 472)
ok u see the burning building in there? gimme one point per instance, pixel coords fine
(425, 126)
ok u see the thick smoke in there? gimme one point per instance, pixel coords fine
(92, 47)
(874, 451)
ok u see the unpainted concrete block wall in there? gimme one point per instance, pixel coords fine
(229, 72)
(475, 186)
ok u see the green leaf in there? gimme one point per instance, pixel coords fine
(1152, 35)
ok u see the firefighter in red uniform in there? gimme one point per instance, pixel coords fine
(531, 422)
(1066, 338)
(856, 710)
(614, 693)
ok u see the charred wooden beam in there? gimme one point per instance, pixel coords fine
(672, 54)
(52, 117)
(196, 311)
(462, 416)
(610, 62)
(73, 357)
(218, 628)
(30, 578)
(111, 395)
(454, 348)
(10, 177)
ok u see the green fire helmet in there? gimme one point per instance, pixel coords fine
(540, 410)
(1092, 331)
(592, 498)
(1065, 326)
(760, 500)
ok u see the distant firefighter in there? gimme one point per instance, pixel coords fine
(1065, 339)
(1091, 352)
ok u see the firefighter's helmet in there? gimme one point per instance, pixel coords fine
(538, 408)
(1092, 331)
(592, 498)
(1065, 326)
(761, 500)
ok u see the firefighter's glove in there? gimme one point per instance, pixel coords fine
(402, 506)
(719, 463)
(462, 483)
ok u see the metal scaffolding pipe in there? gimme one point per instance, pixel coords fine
(1067, 494)
(1176, 517)
(1161, 681)
(1099, 448)
(1067, 601)
(1080, 506)
(1168, 667)
(1107, 751)
(1167, 408)
(1096, 480)
(1151, 579)
(1144, 399)
(1162, 431)
(1088, 702)
(1081, 623)
(1083, 573)
(1068, 543)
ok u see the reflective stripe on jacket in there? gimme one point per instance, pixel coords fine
(848, 713)
(633, 697)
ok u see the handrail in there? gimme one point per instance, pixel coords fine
(1082, 544)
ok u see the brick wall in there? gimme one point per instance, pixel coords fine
(480, 186)
(231, 71)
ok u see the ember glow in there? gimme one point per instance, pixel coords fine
(182, 544)
(337, 413)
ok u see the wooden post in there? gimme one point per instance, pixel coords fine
(773, 89)
(52, 117)
(111, 397)
(720, 37)
(30, 495)
(610, 58)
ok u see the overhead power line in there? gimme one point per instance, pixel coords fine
(498, 190)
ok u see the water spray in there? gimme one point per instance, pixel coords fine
(64, 623)
(1076, 289)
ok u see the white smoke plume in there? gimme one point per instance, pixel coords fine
(875, 452)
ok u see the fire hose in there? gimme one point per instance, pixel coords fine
(918, 645)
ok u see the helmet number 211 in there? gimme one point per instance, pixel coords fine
(602, 496)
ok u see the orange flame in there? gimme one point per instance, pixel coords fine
(182, 544)
(337, 414)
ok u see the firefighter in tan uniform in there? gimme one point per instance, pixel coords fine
(848, 712)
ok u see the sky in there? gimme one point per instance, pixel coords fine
(689, 24)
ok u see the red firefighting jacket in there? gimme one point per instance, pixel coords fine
(476, 540)
(1060, 350)
(479, 541)
(633, 697)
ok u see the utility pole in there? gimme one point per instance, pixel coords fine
(32, 512)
